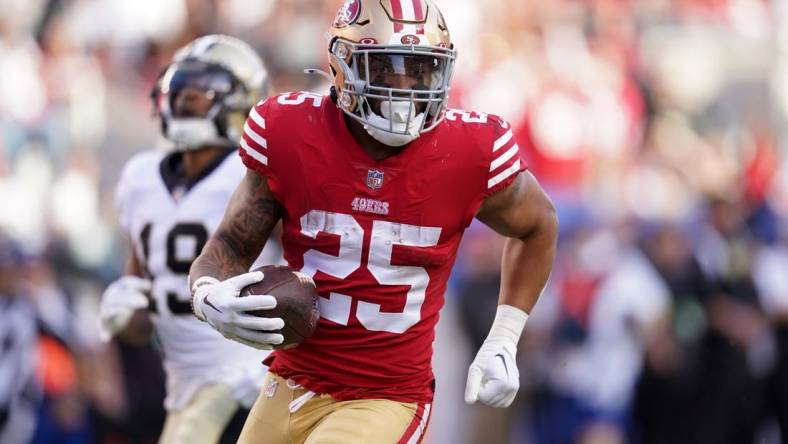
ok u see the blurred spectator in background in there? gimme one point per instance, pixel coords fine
(608, 303)
(665, 407)
(40, 394)
(771, 280)
(737, 351)
(19, 393)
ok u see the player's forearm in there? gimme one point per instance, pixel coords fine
(218, 260)
(251, 215)
(527, 262)
(237, 243)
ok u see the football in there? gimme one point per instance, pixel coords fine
(296, 302)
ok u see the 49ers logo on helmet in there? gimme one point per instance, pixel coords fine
(348, 13)
(410, 39)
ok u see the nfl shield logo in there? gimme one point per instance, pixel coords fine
(374, 179)
(270, 388)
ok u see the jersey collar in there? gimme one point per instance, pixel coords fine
(172, 174)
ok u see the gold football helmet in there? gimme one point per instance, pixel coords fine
(391, 63)
(232, 76)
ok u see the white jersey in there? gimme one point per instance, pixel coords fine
(169, 223)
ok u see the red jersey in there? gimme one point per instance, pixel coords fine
(378, 237)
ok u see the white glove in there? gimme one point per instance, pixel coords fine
(119, 302)
(493, 377)
(218, 304)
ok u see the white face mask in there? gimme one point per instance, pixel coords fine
(395, 116)
(191, 133)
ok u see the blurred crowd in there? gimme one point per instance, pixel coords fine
(655, 125)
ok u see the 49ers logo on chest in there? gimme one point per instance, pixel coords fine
(374, 179)
(347, 14)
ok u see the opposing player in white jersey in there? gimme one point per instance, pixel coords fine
(169, 203)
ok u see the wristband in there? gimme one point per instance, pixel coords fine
(198, 298)
(508, 324)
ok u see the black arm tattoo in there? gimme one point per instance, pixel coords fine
(251, 215)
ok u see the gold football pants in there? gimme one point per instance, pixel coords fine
(324, 420)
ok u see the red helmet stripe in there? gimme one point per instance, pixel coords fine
(396, 11)
(418, 15)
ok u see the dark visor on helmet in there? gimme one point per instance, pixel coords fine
(401, 70)
(197, 76)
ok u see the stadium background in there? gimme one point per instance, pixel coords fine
(656, 126)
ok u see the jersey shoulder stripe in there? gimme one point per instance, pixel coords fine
(503, 140)
(253, 153)
(257, 118)
(255, 137)
(250, 133)
(275, 118)
(492, 142)
(505, 174)
(505, 162)
(504, 157)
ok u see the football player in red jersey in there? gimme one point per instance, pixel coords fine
(375, 185)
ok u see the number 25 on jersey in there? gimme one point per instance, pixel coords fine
(384, 236)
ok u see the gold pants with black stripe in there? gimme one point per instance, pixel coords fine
(324, 420)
